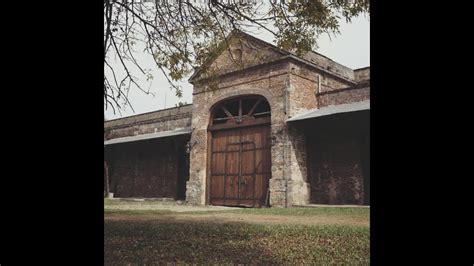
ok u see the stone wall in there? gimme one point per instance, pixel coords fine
(302, 96)
(344, 96)
(304, 90)
(329, 65)
(362, 74)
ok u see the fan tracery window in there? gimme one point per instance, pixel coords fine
(241, 111)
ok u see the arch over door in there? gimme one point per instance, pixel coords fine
(240, 152)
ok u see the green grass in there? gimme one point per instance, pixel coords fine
(327, 211)
(119, 202)
(205, 243)
(136, 212)
(350, 211)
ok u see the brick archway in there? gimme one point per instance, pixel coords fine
(198, 186)
(239, 152)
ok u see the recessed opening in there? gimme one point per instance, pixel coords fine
(239, 109)
(237, 54)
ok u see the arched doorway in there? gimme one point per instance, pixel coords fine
(240, 153)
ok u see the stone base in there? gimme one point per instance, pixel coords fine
(298, 192)
(277, 189)
(283, 193)
(195, 193)
(286, 193)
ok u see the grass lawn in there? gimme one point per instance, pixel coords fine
(245, 236)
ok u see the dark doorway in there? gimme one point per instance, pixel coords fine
(365, 158)
(338, 158)
(156, 168)
(183, 171)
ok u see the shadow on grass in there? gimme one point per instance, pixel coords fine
(183, 242)
(145, 242)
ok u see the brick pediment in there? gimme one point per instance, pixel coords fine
(238, 52)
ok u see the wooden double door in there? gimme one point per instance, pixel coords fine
(240, 166)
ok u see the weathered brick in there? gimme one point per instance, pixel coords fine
(291, 87)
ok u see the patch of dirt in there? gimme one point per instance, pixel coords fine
(247, 218)
(181, 212)
(135, 205)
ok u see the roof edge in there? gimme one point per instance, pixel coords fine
(361, 68)
(274, 47)
(332, 110)
(147, 113)
(155, 135)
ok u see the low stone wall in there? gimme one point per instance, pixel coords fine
(344, 96)
(362, 74)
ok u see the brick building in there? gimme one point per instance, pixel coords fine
(266, 128)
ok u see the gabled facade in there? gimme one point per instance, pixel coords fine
(266, 128)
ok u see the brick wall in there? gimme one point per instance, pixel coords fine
(269, 82)
(362, 74)
(240, 54)
(290, 87)
(336, 171)
(150, 168)
(329, 65)
(162, 120)
(344, 96)
(147, 169)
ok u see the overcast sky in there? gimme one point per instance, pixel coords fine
(350, 48)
